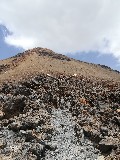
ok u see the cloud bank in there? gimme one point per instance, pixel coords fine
(63, 25)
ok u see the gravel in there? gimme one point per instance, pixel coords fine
(65, 140)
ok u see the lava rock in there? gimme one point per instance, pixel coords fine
(117, 120)
(104, 130)
(106, 145)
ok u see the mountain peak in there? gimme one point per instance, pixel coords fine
(39, 60)
(44, 52)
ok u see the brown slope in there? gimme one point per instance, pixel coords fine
(41, 60)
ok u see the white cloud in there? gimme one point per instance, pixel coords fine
(19, 41)
(63, 25)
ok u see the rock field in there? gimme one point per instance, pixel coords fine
(60, 117)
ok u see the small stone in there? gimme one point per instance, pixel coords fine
(35, 81)
(104, 130)
(101, 158)
(2, 114)
(15, 126)
(22, 132)
(118, 110)
(2, 144)
(62, 101)
(68, 104)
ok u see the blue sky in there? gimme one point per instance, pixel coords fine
(87, 30)
(7, 51)
(97, 58)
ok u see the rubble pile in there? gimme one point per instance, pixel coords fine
(60, 117)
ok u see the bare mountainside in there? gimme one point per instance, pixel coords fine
(56, 108)
(42, 60)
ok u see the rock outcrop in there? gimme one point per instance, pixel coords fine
(31, 124)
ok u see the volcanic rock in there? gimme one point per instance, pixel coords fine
(108, 144)
(54, 107)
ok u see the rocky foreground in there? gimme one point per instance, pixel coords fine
(60, 118)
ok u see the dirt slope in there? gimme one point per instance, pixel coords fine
(40, 60)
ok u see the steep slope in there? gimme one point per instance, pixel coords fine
(40, 60)
(56, 108)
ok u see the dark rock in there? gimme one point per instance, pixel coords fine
(14, 106)
(2, 144)
(15, 126)
(86, 131)
(116, 120)
(92, 134)
(104, 130)
(106, 145)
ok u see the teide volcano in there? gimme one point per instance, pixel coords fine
(53, 107)
(41, 60)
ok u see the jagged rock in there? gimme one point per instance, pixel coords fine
(14, 105)
(15, 126)
(87, 131)
(117, 120)
(2, 144)
(104, 130)
(37, 149)
(92, 134)
(106, 145)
